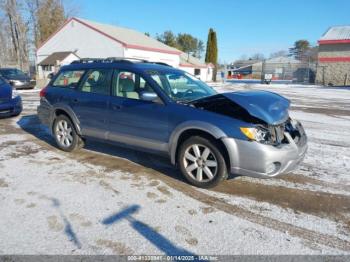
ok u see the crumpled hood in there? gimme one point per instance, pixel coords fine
(267, 106)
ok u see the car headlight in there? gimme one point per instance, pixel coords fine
(14, 93)
(258, 134)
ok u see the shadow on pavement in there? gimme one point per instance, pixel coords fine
(155, 238)
(68, 229)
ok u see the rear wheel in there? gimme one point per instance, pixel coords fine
(65, 134)
(201, 162)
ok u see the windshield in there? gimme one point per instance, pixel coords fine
(181, 86)
(8, 73)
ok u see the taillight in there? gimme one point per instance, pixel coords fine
(43, 92)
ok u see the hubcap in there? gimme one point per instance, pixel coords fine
(200, 163)
(64, 133)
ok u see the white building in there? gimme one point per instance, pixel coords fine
(87, 39)
(195, 67)
(53, 62)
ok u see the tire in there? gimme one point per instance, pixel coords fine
(65, 134)
(201, 162)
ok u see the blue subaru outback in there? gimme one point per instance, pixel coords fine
(161, 109)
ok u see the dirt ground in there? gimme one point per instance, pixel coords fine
(104, 199)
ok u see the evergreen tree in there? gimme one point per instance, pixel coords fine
(300, 49)
(187, 43)
(168, 38)
(211, 55)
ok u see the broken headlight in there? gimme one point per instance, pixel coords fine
(259, 134)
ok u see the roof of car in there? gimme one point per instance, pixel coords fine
(125, 64)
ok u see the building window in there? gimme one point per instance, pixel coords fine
(130, 85)
(197, 72)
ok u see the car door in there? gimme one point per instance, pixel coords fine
(90, 102)
(133, 120)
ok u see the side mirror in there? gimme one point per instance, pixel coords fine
(149, 96)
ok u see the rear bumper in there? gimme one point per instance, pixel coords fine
(11, 108)
(44, 112)
(250, 158)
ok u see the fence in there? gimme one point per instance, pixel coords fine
(296, 71)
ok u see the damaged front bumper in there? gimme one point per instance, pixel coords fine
(250, 158)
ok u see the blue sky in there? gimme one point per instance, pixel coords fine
(243, 27)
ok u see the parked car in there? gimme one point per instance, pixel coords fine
(17, 78)
(158, 108)
(10, 101)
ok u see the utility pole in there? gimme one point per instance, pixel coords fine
(308, 70)
(263, 71)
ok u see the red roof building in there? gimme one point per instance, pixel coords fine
(334, 57)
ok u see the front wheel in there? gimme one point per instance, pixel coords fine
(201, 162)
(65, 135)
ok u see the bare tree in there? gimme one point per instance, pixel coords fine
(26, 24)
(279, 54)
(32, 8)
(17, 30)
(257, 56)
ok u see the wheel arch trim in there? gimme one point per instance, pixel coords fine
(70, 114)
(191, 125)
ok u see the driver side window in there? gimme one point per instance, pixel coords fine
(130, 85)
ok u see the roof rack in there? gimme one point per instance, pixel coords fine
(108, 60)
(115, 59)
(160, 63)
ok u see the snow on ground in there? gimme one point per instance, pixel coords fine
(108, 200)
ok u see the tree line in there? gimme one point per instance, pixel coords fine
(302, 50)
(25, 25)
(182, 41)
(192, 45)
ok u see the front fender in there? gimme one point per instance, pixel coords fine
(191, 125)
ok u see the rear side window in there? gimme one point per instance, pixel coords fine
(68, 78)
(98, 81)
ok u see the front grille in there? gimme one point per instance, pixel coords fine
(277, 133)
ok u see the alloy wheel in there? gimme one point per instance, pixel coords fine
(200, 163)
(64, 133)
